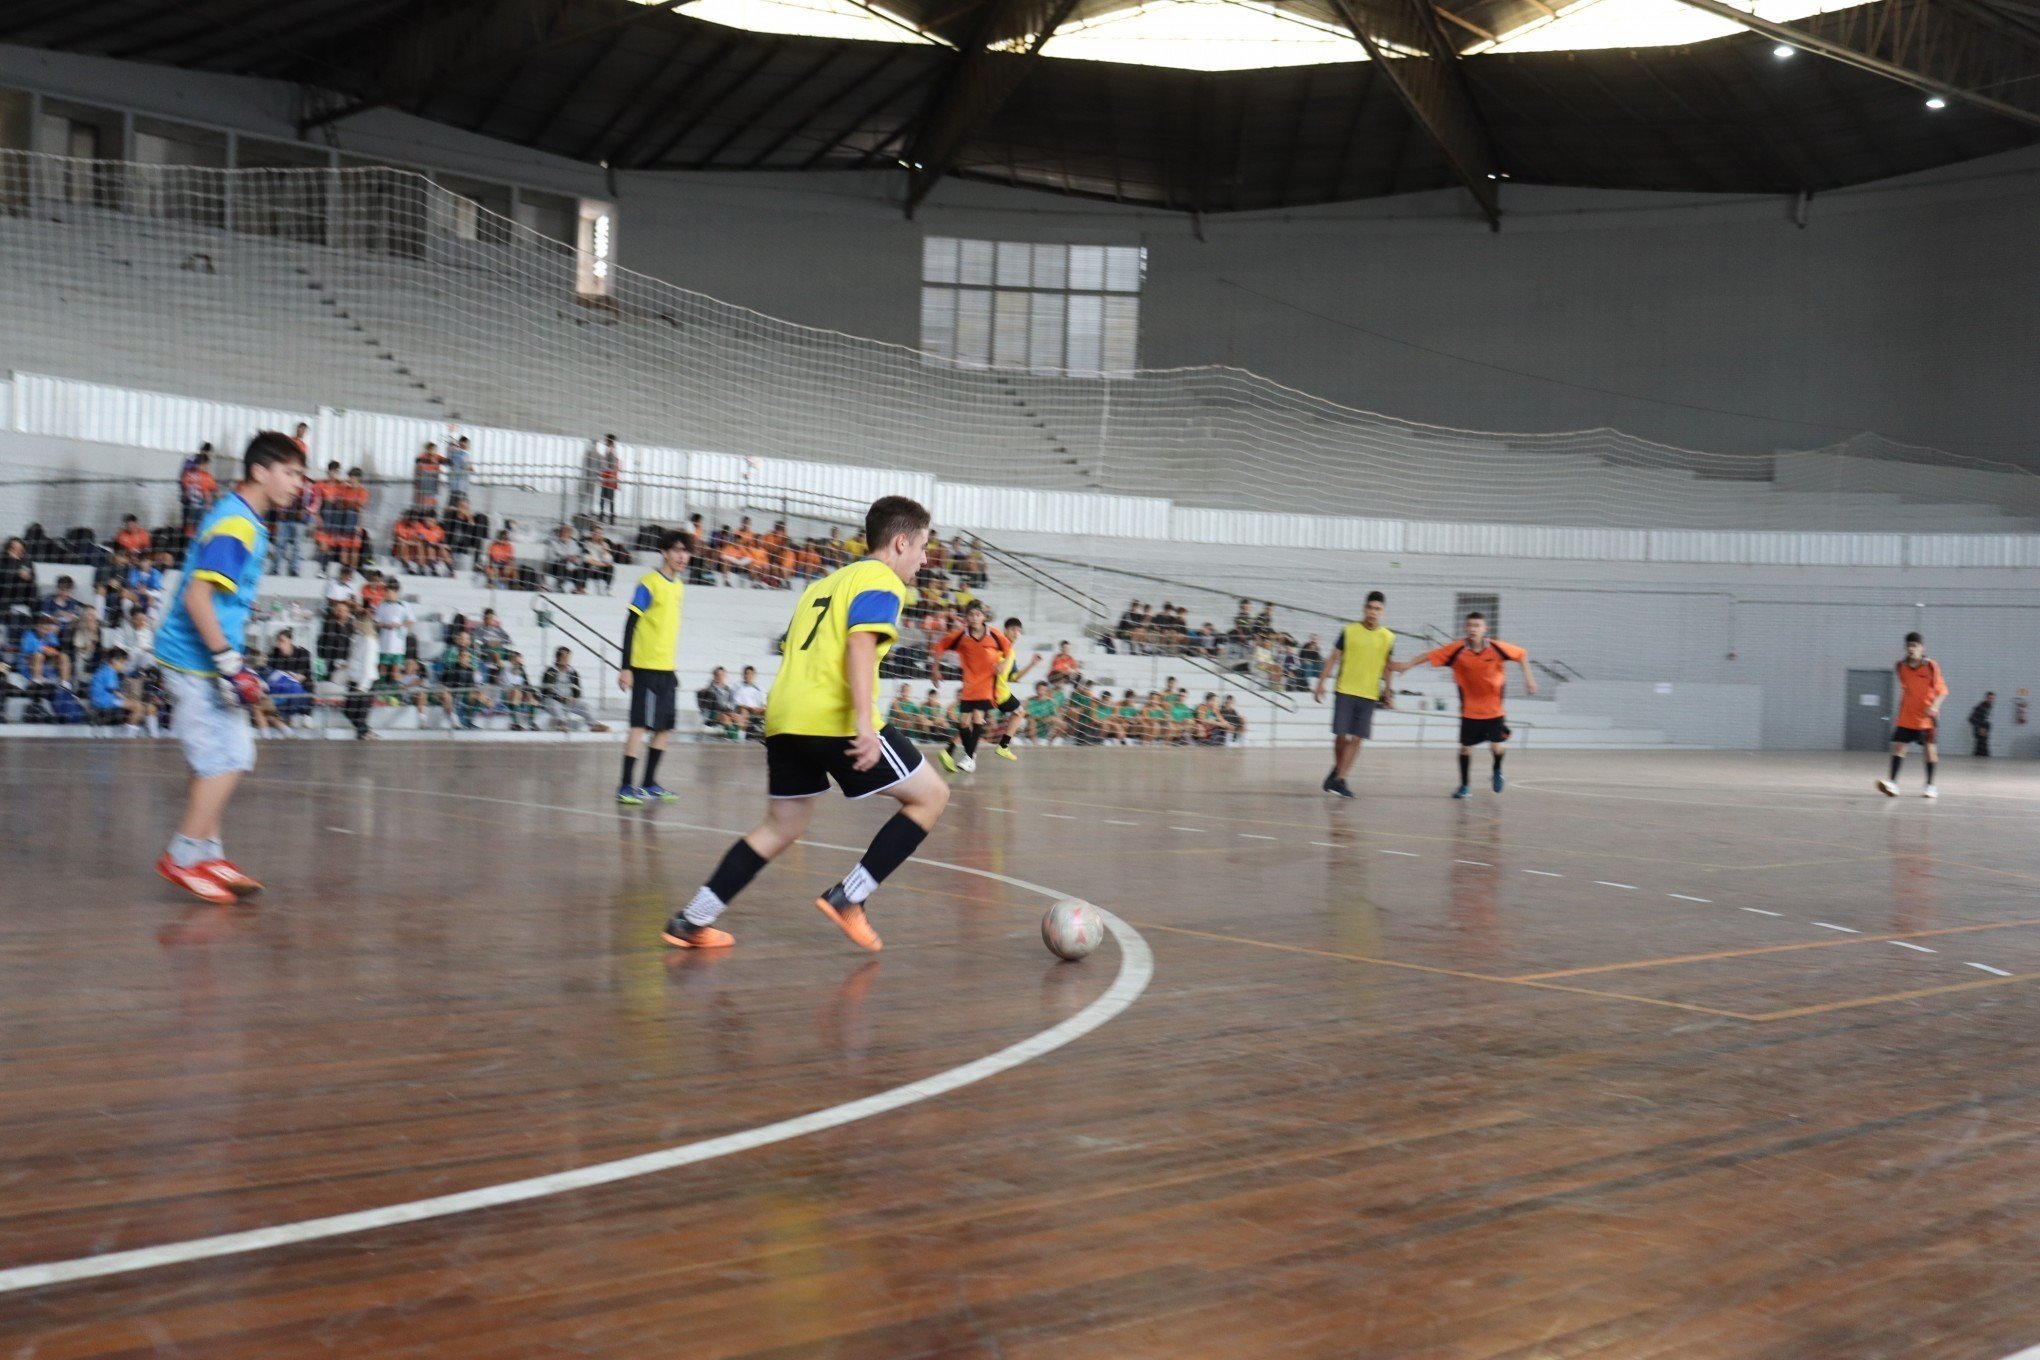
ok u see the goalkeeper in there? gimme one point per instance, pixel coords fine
(199, 649)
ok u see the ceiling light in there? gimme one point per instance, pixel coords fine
(1936, 102)
(1783, 50)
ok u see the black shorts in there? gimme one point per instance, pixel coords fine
(1476, 731)
(801, 767)
(653, 695)
(1010, 704)
(1913, 736)
(974, 706)
(1352, 716)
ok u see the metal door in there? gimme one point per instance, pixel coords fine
(1868, 727)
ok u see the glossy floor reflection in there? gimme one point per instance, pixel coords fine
(1673, 1054)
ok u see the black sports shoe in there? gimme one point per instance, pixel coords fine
(1339, 787)
(1331, 784)
(682, 933)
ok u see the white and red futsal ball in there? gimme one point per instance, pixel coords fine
(1072, 929)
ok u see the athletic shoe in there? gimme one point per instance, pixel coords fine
(1007, 752)
(1887, 788)
(1331, 784)
(1930, 792)
(948, 761)
(968, 764)
(194, 880)
(849, 918)
(684, 934)
(1339, 787)
(1462, 792)
(629, 796)
(1500, 783)
(659, 793)
(230, 877)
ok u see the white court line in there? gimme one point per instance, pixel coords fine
(1251, 836)
(1326, 844)
(1136, 968)
(344, 831)
(1683, 898)
(1604, 883)
(1193, 830)
(2002, 973)
(1481, 862)
(1543, 873)
(1406, 854)
(1761, 912)
(1920, 947)
(1110, 822)
(993, 809)
(2030, 1353)
(1846, 930)
(1060, 816)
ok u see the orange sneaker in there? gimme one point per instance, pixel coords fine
(194, 880)
(849, 918)
(682, 935)
(229, 877)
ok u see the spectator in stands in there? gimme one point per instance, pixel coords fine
(289, 677)
(109, 702)
(1123, 631)
(133, 633)
(718, 552)
(196, 488)
(563, 560)
(43, 658)
(1044, 715)
(1235, 721)
(343, 587)
(64, 606)
(427, 471)
(610, 476)
(411, 685)
(904, 713)
(336, 636)
(491, 639)
(598, 559)
(461, 676)
(395, 622)
(375, 588)
(132, 538)
(83, 642)
(560, 688)
(775, 563)
(518, 694)
(17, 588)
(288, 525)
(1063, 667)
(500, 569)
(749, 702)
(1209, 728)
(464, 534)
(459, 466)
(1121, 721)
(718, 703)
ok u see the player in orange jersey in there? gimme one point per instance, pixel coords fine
(981, 650)
(1480, 665)
(1921, 687)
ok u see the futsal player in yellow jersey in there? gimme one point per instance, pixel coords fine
(1002, 688)
(1359, 660)
(651, 665)
(822, 722)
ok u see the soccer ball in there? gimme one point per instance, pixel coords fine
(1072, 929)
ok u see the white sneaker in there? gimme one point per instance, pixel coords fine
(1930, 792)
(1887, 788)
(968, 764)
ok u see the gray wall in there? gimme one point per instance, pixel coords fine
(1903, 307)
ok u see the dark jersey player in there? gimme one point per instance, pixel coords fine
(1480, 666)
(822, 723)
(1921, 688)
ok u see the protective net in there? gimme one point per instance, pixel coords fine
(377, 291)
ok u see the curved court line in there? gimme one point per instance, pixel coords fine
(1136, 968)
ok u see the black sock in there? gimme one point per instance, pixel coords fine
(629, 764)
(889, 849)
(1465, 768)
(1930, 770)
(1006, 737)
(1498, 762)
(652, 770)
(970, 742)
(1896, 761)
(953, 738)
(736, 871)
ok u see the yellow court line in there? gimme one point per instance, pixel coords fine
(1446, 972)
(1826, 1006)
(1676, 959)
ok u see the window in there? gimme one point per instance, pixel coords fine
(1041, 308)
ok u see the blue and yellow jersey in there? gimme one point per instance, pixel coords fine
(811, 694)
(655, 641)
(1002, 678)
(1363, 655)
(227, 553)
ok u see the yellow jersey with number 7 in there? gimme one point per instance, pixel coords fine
(811, 694)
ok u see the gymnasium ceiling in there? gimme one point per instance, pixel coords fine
(1415, 100)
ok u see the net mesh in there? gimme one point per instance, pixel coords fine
(377, 290)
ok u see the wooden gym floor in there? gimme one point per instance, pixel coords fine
(1656, 1055)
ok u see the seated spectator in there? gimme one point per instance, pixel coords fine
(375, 588)
(560, 688)
(904, 713)
(1063, 666)
(133, 633)
(461, 675)
(491, 639)
(433, 557)
(1044, 715)
(388, 690)
(563, 562)
(292, 663)
(412, 685)
(1121, 721)
(718, 704)
(1210, 728)
(132, 539)
(336, 637)
(43, 657)
(518, 695)
(749, 702)
(109, 701)
(1235, 721)
(807, 563)
(500, 567)
(973, 568)
(404, 541)
(466, 535)
(17, 588)
(599, 559)
(64, 606)
(1084, 715)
